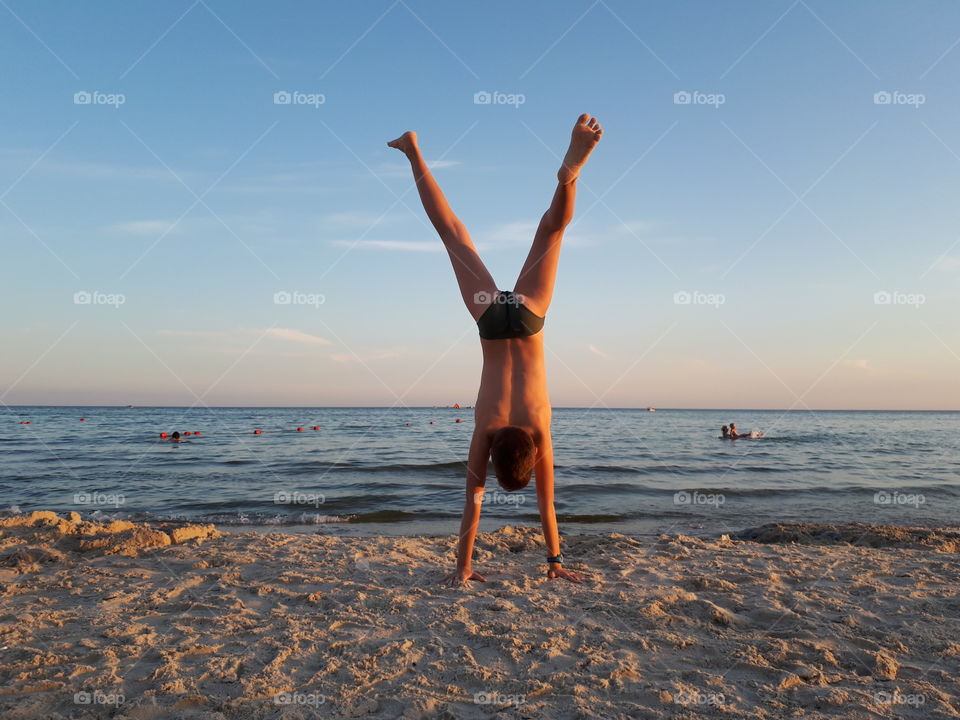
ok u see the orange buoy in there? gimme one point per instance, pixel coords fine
(26, 422)
(186, 433)
(163, 435)
(433, 422)
(258, 432)
(196, 432)
(316, 427)
(299, 429)
(459, 420)
(83, 419)
(406, 424)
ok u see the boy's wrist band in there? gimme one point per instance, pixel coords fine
(555, 559)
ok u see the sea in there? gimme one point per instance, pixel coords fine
(400, 471)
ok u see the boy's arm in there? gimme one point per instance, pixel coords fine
(476, 480)
(548, 516)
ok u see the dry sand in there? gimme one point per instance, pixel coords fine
(127, 621)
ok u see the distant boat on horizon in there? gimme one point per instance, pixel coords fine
(651, 409)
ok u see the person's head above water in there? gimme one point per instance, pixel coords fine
(514, 453)
(176, 436)
(725, 430)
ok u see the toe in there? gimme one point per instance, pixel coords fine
(582, 120)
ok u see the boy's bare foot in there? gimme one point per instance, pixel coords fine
(586, 134)
(406, 143)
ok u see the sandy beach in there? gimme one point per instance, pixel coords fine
(127, 621)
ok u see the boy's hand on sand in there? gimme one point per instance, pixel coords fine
(565, 574)
(461, 576)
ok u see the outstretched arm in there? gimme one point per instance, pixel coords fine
(476, 480)
(548, 515)
(476, 284)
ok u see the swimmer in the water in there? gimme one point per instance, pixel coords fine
(175, 437)
(726, 432)
(734, 435)
(512, 411)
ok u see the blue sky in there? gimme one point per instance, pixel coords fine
(779, 203)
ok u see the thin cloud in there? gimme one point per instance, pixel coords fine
(297, 336)
(596, 351)
(401, 245)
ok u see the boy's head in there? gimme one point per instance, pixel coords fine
(176, 435)
(514, 453)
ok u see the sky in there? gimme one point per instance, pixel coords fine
(770, 220)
